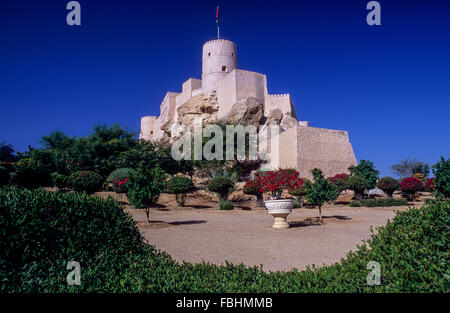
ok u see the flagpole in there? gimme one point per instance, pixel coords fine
(217, 22)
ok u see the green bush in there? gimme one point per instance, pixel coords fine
(145, 186)
(31, 175)
(365, 169)
(180, 186)
(41, 231)
(85, 181)
(226, 205)
(358, 185)
(320, 191)
(61, 181)
(380, 202)
(120, 174)
(4, 176)
(441, 171)
(222, 186)
(388, 185)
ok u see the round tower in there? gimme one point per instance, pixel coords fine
(219, 58)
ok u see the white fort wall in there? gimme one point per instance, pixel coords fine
(312, 147)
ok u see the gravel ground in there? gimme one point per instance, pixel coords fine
(246, 236)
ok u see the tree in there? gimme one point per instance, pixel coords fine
(144, 188)
(388, 185)
(320, 191)
(407, 168)
(6, 152)
(365, 169)
(180, 186)
(441, 171)
(358, 184)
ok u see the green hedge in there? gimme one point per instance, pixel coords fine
(41, 231)
(382, 202)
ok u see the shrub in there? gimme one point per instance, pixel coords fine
(358, 185)
(275, 182)
(86, 181)
(31, 175)
(180, 186)
(120, 174)
(340, 181)
(145, 186)
(226, 205)
(320, 191)
(388, 185)
(410, 186)
(441, 171)
(419, 176)
(41, 231)
(118, 179)
(381, 202)
(222, 186)
(113, 257)
(61, 181)
(365, 169)
(430, 185)
(4, 176)
(252, 187)
(299, 193)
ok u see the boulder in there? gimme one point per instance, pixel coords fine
(248, 111)
(275, 116)
(288, 122)
(204, 106)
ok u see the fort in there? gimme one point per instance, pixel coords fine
(225, 91)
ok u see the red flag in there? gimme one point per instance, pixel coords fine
(217, 15)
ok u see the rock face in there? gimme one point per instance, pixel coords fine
(248, 111)
(202, 106)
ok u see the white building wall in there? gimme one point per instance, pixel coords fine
(218, 59)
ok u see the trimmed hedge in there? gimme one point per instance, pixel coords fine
(382, 202)
(86, 181)
(120, 174)
(42, 231)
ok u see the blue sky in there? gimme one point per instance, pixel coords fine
(388, 85)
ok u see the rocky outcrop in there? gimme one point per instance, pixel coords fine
(275, 116)
(200, 106)
(288, 122)
(248, 111)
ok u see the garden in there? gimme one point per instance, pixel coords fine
(112, 202)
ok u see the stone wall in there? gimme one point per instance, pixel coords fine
(306, 148)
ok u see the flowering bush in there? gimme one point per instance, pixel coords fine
(388, 185)
(275, 182)
(410, 186)
(252, 188)
(87, 181)
(340, 181)
(430, 185)
(120, 185)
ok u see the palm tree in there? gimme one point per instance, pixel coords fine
(6, 152)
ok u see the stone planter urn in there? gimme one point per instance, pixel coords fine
(280, 209)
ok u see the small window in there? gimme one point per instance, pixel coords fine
(209, 53)
(224, 68)
(232, 54)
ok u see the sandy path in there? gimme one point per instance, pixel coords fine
(246, 237)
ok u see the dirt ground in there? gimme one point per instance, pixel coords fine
(199, 232)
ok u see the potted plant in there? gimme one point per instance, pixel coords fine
(274, 183)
